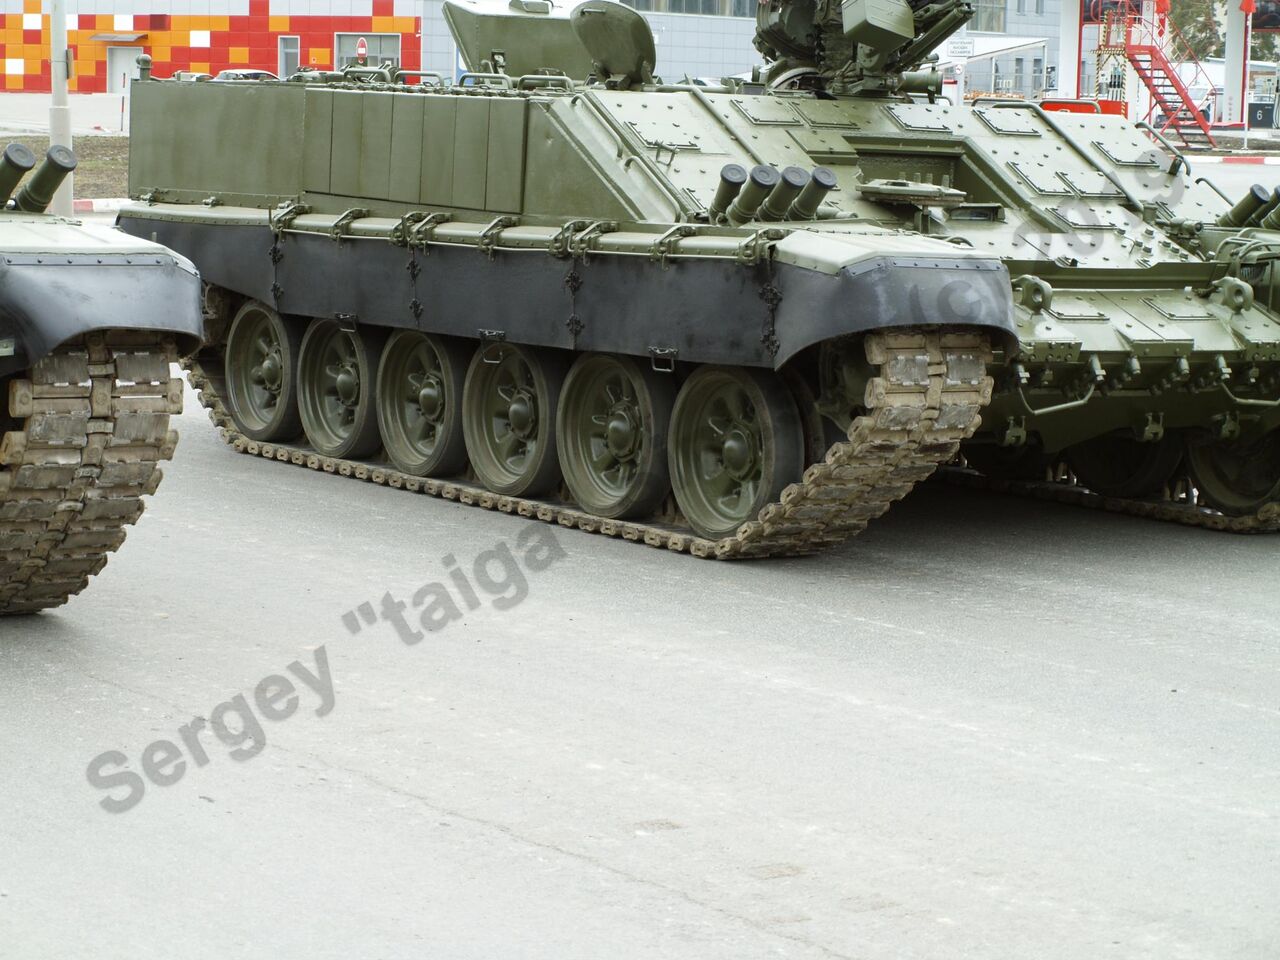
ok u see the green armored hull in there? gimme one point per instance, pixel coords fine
(739, 321)
(90, 320)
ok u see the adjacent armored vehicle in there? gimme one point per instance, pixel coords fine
(739, 321)
(90, 320)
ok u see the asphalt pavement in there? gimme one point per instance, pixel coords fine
(92, 114)
(988, 728)
(1234, 179)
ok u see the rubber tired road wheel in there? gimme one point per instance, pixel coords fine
(611, 434)
(1115, 465)
(262, 373)
(509, 404)
(336, 371)
(736, 441)
(419, 396)
(1237, 476)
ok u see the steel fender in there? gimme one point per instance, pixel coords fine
(890, 292)
(46, 300)
(709, 309)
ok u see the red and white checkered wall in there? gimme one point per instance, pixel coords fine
(201, 43)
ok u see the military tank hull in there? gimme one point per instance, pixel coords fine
(739, 322)
(924, 392)
(90, 320)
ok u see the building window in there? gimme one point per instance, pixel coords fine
(1018, 78)
(382, 47)
(1037, 75)
(988, 16)
(1022, 6)
(1040, 7)
(289, 52)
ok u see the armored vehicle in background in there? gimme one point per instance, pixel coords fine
(90, 320)
(738, 321)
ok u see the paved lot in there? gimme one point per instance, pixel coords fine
(92, 114)
(990, 728)
(1234, 179)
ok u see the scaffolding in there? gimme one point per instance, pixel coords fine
(1139, 39)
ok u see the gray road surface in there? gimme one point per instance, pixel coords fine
(990, 728)
(92, 114)
(1234, 179)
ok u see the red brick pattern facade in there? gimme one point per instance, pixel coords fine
(201, 44)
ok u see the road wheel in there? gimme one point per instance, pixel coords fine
(1026, 462)
(611, 434)
(736, 441)
(509, 404)
(336, 371)
(1237, 476)
(1115, 465)
(262, 373)
(419, 397)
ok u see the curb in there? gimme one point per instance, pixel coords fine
(98, 206)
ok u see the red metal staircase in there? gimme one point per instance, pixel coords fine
(1152, 47)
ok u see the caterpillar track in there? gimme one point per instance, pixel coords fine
(1179, 505)
(925, 400)
(88, 426)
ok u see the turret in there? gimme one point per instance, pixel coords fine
(855, 46)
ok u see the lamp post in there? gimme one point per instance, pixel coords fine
(1248, 7)
(59, 111)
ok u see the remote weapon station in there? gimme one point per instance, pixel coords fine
(737, 320)
(90, 320)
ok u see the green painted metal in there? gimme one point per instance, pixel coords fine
(612, 434)
(735, 443)
(1240, 475)
(509, 402)
(336, 375)
(1144, 303)
(90, 322)
(262, 348)
(419, 396)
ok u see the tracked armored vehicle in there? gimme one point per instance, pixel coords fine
(90, 321)
(738, 321)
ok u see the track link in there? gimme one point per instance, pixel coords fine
(926, 398)
(1179, 504)
(94, 420)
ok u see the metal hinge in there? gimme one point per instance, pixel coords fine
(417, 228)
(489, 235)
(754, 248)
(488, 339)
(348, 217)
(560, 243)
(284, 215)
(580, 244)
(400, 232)
(663, 359)
(662, 247)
